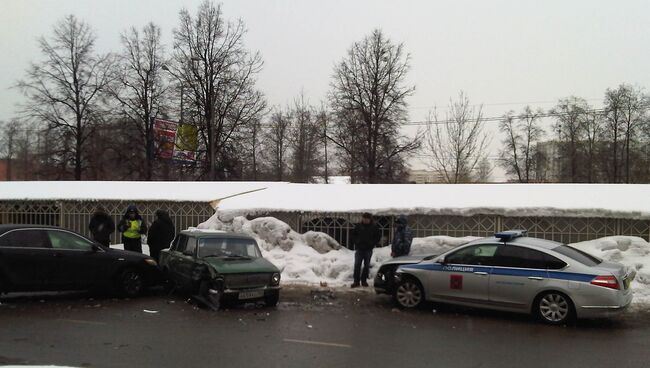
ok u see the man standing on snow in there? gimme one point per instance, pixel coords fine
(161, 234)
(132, 227)
(101, 227)
(365, 236)
(402, 238)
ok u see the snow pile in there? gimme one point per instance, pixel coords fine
(315, 257)
(437, 244)
(272, 233)
(631, 251)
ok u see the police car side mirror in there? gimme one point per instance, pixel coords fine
(442, 260)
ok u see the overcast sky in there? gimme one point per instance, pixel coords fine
(504, 54)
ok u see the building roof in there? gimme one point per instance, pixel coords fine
(250, 198)
(180, 191)
(526, 200)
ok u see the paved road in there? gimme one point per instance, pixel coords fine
(308, 329)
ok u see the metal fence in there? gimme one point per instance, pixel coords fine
(75, 215)
(562, 229)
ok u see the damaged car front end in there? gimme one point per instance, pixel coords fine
(217, 268)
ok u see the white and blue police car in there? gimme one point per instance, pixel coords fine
(517, 273)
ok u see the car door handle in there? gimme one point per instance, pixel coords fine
(58, 254)
(481, 273)
(535, 278)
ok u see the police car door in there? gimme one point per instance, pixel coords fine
(464, 276)
(518, 275)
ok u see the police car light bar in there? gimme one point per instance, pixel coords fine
(506, 236)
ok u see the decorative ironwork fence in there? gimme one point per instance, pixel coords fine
(562, 229)
(75, 215)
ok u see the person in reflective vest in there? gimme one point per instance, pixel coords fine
(132, 227)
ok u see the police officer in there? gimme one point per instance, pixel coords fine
(132, 226)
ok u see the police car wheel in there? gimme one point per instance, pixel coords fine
(554, 308)
(409, 294)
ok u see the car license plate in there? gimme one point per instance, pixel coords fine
(251, 294)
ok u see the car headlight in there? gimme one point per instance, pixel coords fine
(397, 277)
(151, 262)
(275, 279)
(381, 276)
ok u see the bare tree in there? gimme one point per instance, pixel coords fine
(634, 110)
(323, 118)
(593, 132)
(306, 142)
(369, 87)
(276, 141)
(520, 155)
(211, 61)
(140, 88)
(63, 89)
(570, 113)
(8, 141)
(484, 171)
(458, 143)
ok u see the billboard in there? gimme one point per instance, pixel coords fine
(175, 141)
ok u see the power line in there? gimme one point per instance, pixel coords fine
(496, 119)
(498, 104)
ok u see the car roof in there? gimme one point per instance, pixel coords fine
(214, 234)
(525, 241)
(8, 227)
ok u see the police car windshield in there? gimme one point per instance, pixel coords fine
(578, 255)
(226, 247)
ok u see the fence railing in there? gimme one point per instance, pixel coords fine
(75, 215)
(561, 229)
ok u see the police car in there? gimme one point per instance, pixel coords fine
(514, 272)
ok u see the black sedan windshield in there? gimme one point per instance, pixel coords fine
(228, 247)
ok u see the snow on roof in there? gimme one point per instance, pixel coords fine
(178, 191)
(570, 200)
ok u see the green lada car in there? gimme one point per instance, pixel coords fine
(217, 267)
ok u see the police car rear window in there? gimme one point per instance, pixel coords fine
(578, 255)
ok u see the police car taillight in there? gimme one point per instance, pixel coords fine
(606, 281)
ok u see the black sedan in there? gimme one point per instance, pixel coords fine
(41, 258)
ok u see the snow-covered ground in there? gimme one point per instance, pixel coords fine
(315, 258)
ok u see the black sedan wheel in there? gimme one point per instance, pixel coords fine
(130, 283)
(409, 294)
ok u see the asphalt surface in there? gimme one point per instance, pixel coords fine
(310, 328)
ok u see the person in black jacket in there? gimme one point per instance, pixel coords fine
(101, 227)
(365, 236)
(132, 226)
(161, 234)
(402, 238)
